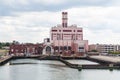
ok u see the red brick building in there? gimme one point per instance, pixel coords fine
(25, 49)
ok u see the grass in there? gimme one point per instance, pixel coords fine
(3, 52)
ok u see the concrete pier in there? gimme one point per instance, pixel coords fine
(105, 62)
(5, 59)
(106, 59)
(78, 66)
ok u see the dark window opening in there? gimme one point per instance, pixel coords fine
(65, 47)
(81, 47)
(69, 48)
(56, 48)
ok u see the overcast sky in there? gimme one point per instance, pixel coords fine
(31, 20)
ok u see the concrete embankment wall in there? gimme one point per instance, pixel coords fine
(102, 65)
(98, 61)
(106, 60)
(99, 66)
(25, 57)
(8, 58)
(5, 60)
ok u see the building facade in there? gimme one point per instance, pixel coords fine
(25, 49)
(68, 38)
(64, 39)
(104, 48)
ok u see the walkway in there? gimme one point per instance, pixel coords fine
(107, 58)
(4, 59)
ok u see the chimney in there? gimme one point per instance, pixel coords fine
(64, 19)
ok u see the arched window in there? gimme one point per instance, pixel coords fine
(48, 48)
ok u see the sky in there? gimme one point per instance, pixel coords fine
(31, 20)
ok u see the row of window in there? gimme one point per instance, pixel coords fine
(65, 47)
(67, 30)
(68, 34)
(62, 48)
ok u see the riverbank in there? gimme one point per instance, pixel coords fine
(90, 66)
(101, 65)
(5, 59)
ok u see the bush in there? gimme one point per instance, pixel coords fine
(114, 52)
(94, 51)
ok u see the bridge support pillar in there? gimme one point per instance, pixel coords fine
(79, 67)
(111, 66)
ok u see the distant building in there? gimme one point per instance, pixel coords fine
(93, 47)
(104, 48)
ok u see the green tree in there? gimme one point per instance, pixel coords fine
(0, 45)
(7, 44)
(114, 52)
(94, 51)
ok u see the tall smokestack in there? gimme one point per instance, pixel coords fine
(64, 19)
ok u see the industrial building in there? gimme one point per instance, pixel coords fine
(67, 39)
(64, 39)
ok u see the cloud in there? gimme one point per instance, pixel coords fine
(96, 18)
(8, 7)
(102, 37)
(27, 26)
(100, 24)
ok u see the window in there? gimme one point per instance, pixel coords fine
(69, 48)
(65, 47)
(81, 47)
(54, 30)
(61, 47)
(56, 47)
(67, 30)
(79, 30)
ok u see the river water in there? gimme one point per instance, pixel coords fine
(53, 70)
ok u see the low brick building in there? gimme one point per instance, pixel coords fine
(25, 49)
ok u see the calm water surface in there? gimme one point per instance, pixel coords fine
(81, 62)
(52, 70)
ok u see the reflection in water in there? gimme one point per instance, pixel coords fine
(52, 70)
(82, 62)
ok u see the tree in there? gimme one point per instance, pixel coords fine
(3, 44)
(0, 45)
(114, 52)
(94, 50)
(7, 44)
